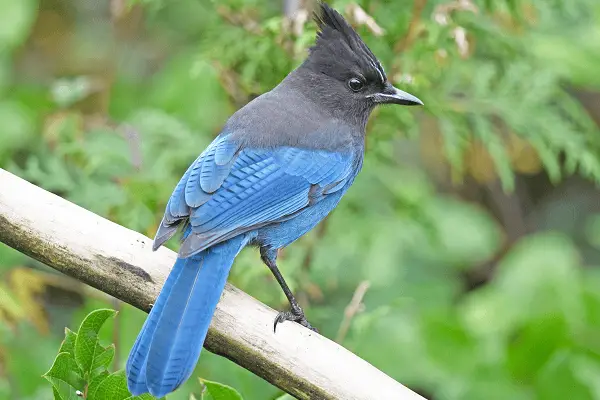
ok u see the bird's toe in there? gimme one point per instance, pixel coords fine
(295, 315)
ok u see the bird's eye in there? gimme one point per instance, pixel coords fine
(355, 84)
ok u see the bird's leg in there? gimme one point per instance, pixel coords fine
(296, 314)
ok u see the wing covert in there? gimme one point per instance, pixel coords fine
(228, 190)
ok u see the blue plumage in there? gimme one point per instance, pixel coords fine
(262, 187)
(281, 164)
(167, 349)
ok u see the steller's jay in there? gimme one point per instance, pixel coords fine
(279, 166)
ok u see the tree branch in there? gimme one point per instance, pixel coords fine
(353, 308)
(120, 262)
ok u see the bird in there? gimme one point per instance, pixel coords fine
(279, 166)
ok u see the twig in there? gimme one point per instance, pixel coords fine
(135, 144)
(403, 44)
(442, 15)
(353, 308)
(509, 211)
(118, 8)
(360, 17)
(290, 7)
(239, 19)
(411, 34)
(230, 81)
(126, 131)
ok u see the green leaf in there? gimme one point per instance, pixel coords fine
(455, 145)
(103, 358)
(17, 19)
(587, 371)
(65, 377)
(95, 382)
(541, 271)
(549, 158)
(19, 127)
(144, 396)
(285, 396)
(87, 348)
(219, 391)
(558, 379)
(493, 144)
(112, 387)
(57, 395)
(467, 235)
(592, 230)
(534, 345)
(68, 344)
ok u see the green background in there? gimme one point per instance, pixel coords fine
(475, 220)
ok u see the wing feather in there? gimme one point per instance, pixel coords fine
(228, 190)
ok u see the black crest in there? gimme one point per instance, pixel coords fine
(338, 40)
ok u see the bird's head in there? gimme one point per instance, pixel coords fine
(343, 73)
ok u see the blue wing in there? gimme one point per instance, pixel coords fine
(228, 190)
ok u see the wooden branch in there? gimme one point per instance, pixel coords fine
(120, 262)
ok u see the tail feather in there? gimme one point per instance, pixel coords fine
(168, 346)
(136, 363)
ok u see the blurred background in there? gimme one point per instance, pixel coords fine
(472, 270)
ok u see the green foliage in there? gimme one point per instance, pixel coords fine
(17, 19)
(110, 114)
(113, 387)
(218, 391)
(80, 370)
(65, 377)
(89, 355)
(81, 366)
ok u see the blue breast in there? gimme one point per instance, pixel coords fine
(282, 234)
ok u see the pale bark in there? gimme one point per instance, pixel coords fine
(120, 262)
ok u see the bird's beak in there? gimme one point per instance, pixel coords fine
(392, 95)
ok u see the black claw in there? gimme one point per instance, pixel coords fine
(295, 315)
(279, 318)
(269, 256)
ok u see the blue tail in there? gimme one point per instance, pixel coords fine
(169, 344)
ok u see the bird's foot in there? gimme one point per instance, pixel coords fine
(295, 314)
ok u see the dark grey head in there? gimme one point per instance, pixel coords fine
(342, 74)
